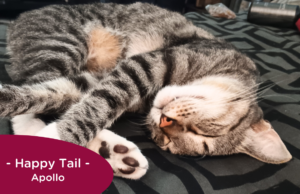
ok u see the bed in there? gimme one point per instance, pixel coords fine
(276, 53)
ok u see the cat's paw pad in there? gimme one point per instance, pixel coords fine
(125, 158)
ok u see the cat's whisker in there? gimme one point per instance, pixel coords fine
(251, 95)
(276, 76)
(144, 121)
(281, 95)
(237, 95)
(232, 99)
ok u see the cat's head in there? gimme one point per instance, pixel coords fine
(214, 116)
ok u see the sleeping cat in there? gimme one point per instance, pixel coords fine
(89, 64)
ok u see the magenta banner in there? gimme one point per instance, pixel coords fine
(38, 165)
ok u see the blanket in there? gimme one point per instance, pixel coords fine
(276, 53)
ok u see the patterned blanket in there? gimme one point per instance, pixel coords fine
(276, 53)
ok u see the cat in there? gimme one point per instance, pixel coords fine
(88, 64)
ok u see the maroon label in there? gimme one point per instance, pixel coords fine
(40, 165)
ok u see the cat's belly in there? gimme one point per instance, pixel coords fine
(104, 50)
(107, 46)
(143, 43)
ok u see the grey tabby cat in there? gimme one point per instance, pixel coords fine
(91, 63)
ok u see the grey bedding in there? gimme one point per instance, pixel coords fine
(276, 52)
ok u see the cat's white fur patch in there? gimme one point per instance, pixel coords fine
(50, 131)
(213, 92)
(206, 87)
(63, 86)
(155, 114)
(143, 43)
(115, 159)
(212, 98)
(26, 124)
(1, 86)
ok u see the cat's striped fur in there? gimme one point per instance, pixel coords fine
(55, 39)
(71, 70)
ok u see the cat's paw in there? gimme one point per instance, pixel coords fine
(26, 124)
(50, 131)
(125, 158)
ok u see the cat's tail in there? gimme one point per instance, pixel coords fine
(54, 96)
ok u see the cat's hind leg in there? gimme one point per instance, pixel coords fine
(125, 158)
(54, 96)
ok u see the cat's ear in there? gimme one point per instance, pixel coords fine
(263, 143)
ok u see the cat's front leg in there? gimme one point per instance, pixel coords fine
(54, 96)
(131, 82)
(47, 97)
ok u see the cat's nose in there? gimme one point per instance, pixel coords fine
(165, 121)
